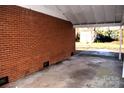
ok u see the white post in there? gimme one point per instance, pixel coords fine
(122, 56)
(120, 48)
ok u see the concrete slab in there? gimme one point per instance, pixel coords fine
(79, 71)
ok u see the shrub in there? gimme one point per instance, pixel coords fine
(106, 36)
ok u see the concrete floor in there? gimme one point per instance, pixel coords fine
(79, 71)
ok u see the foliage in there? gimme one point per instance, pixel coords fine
(77, 39)
(106, 36)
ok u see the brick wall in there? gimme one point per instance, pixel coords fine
(29, 38)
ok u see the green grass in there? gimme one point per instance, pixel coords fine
(110, 46)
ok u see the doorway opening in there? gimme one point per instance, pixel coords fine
(102, 41)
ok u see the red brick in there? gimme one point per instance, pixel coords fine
(29, 38)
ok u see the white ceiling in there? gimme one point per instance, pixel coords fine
(49, 10)
(83, 14)
(92, 14)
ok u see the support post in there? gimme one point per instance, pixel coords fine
(121, 40)
(122, 56)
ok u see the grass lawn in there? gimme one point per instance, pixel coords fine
(113, 46)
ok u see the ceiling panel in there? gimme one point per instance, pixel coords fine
(88, 13)
(110, 13)
(119, 13)
(67, 12)
(78, 13)
(84, 14)
(99, 13)
(93, 14)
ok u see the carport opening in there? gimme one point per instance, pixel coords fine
(100, 41)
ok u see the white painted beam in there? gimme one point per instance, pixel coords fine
(97, 25)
